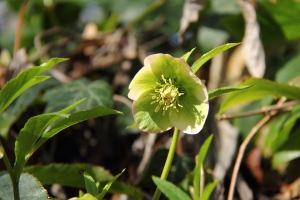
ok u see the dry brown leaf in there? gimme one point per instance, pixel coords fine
(252, 47)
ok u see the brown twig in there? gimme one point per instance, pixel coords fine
(242, 148)
(19, 26)
(284, 106)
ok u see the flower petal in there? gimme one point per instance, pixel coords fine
(177, 68)
(145, 116)
(142, 81)
(191, 117)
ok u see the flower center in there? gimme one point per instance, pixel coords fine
(167, 94)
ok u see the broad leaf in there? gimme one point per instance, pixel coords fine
(23, 81)
(86, 197)
(170, 190)
(282, 157)
(197, 171)
(197, 64)
(71, 175)
(90, 184)
(97, 93)
(209, 188)
(289, 70)
(187, 55)
(223, 90)
(259, 89)
(31, 133)
(29, 188)
(108, 185)
(74, 119)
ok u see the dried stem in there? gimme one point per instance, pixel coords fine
(242, 148)
(19, 26)
(284, 106)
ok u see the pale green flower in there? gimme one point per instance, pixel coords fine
(166, 93)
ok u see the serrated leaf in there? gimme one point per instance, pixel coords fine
(108, 185)
(90, 184)
(97, 93)
(170, 190)
(23, 81)
(71, 175)
(223, 90)
(197, 64)
(187, 55)
(68, 174)
(197, 171)
(29, 188)
(282, 157)
(259, 89)
(209, 188)
(74, 119)
(31, 133)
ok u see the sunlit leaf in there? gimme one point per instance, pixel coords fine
(170, 190)
(197, 171)
(223, 90)
(197, 64)
(259, 89)
(108, 185)
(282, 157)
(29, 188)
(187, 55)
(209, 188)
(23, 81)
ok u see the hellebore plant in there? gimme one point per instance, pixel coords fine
(166, 93)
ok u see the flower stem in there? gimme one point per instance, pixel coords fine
(11, 174)
(168, 163)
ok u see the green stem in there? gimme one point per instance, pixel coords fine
(11, 174)
(169, 161)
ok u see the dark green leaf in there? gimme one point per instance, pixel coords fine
(289, 70)
(108, 185)
(170, 190)
(97, 93)
(23, 81)
(197, 171)
(74, 119)
(223, 90)
(197, 64)
(31, 133)
(259, 89)
(29, 188)
(90, 184)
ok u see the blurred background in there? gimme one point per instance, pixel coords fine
(106, 42)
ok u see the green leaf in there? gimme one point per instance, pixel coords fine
(282, 157)
(108, 185)
(289, 70)
(1, 151)
(86, 197)
(223, 90)
(170, 190)
(31, 133)
(187, 55)
(259, 89)
(23, 81)
(74, 119)
(68, 174)
(29, 188)
(97, 93)
(90, 184)
(197, 171)
(197, 64)
(209, 188)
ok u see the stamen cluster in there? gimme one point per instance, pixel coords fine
(167, 94)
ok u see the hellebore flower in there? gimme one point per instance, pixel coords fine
(166, 93)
